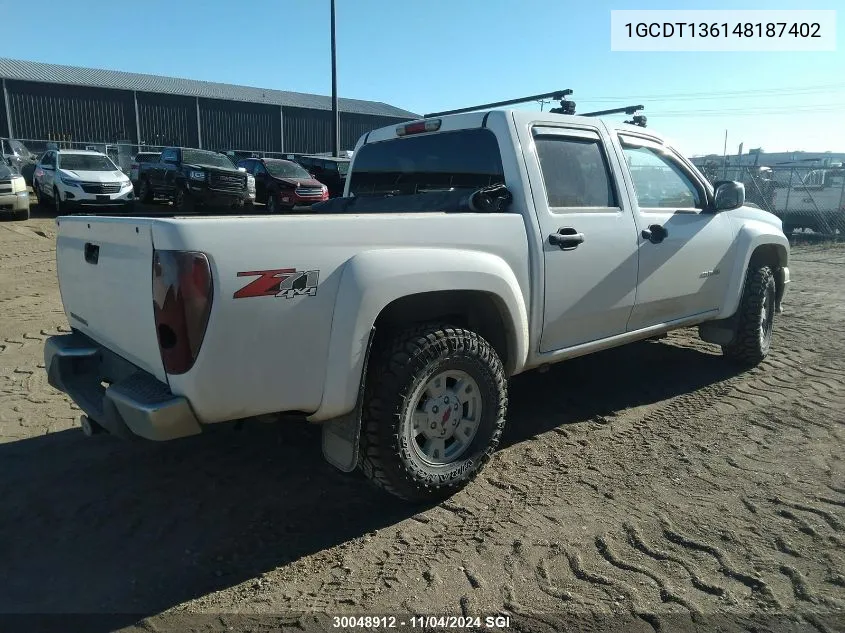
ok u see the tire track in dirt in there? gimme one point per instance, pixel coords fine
(753, 582)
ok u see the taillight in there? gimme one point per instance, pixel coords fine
(432, 125)
(182, 295)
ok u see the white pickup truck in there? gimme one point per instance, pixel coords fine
(467, 249)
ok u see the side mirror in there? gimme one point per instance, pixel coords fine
(729, 195)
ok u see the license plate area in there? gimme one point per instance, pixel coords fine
(103, 198)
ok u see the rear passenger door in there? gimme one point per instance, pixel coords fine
(590, 239)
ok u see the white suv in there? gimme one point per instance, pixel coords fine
(80, 178)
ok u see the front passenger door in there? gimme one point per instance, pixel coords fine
(261, 178)
(686, 251)
(48, 164)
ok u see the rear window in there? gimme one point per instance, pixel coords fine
(147, 158)
(466, 159)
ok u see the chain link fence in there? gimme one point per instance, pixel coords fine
(808, 199)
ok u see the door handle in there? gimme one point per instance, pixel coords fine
(92, 253)
(566, 239)
(655, 233)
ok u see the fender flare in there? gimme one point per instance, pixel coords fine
(749, 239)
(371, 280)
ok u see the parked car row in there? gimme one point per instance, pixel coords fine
(72, 179)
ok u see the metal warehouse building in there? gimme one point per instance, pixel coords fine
(77, 105)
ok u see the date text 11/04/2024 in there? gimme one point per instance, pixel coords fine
(352, 622)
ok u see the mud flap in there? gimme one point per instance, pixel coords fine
(341, 435)
(721, 332)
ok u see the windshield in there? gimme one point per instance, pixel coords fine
(285, 169)
(210, 159)
(86, 162)
(20, 149)
(7, 172)
(467, 159)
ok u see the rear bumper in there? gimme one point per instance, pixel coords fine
(134, 404)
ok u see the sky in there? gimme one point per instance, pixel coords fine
(441, 54)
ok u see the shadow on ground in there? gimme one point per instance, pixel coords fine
(106, 526)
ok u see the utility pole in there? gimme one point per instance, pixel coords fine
(543, 102)
(335, 116)
(724, 155)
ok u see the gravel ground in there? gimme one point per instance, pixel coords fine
(645, 488)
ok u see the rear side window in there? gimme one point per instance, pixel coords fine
(575, 172)
(146, 158)
(466, 159)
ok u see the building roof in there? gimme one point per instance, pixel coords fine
(97, 78)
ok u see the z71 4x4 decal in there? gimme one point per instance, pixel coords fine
(283, 282)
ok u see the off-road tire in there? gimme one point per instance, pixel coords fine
(404, 362)
(753, 336)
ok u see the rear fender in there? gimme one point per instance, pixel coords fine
(372, 280)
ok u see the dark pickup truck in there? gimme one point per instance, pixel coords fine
(191, 178)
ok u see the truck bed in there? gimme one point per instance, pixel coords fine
(244, 366)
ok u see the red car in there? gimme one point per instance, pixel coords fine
(283, 184)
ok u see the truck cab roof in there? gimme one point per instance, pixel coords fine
(469, 120)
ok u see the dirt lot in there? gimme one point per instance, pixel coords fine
(646, 488)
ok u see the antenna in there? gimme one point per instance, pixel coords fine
(557, 95)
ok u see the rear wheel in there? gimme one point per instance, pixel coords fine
(272, 203)
(756, 319)
(434, 411)
(145, 192)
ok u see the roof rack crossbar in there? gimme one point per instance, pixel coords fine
(557, 95)
(625, 110)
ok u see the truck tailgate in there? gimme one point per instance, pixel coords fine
(105, 278)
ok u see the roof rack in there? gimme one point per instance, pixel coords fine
(559, 95)
(566, 107)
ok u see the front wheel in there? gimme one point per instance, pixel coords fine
(756, 319)
(434, 412)
(272, 203)
(182, 202)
